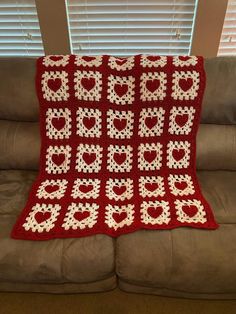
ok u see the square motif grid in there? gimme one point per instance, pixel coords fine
(118, 147)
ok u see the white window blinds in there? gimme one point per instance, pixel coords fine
(228, 37)
(19, 29)
(126, 27)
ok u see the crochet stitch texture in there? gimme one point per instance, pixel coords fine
(118, 149)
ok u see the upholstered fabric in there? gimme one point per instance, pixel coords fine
(216, 147)
(20, 145)
(182, 262)
(219, 189)
(60, 288)
(85, 260)
(14, 189)
(219, 102)
(18, 100)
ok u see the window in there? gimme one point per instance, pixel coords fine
(19, 29)
(228, 36)
(127, 27)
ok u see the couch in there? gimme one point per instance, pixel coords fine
(183, 262)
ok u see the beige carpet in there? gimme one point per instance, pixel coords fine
(113, 302)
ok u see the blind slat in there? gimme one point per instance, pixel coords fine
(115, 41)
(118, 25)
(126, 2)
(131, 32)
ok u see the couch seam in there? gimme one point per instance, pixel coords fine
(170, 289)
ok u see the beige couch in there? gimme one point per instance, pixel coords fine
(181, 262)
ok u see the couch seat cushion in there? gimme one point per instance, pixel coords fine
(186, 259)
(82, 260)
(219, 189)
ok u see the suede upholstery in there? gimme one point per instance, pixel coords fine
(20, 145)
(219, 101)
(80, 261)
(181, 262)
(18, 100)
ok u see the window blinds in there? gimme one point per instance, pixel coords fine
(122, 27)
(19, 29)
(228, 37)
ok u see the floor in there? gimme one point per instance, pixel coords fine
(113, 302)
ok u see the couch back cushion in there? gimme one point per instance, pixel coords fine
(19, 114)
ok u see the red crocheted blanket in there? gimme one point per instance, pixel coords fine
(118, 147)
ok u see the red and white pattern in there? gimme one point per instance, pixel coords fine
(181, 120)
(88, 85)
(153, 61)
(88, 61)
(121, 89)
(118, 147)
(119, 158)
(86, 188)
(53, 189)
(155, 212)
(185, 61)
(58, 123)
(190, 211)
(42, 218)
(56, 61)
(185, 85)
(151, 122)
(119, 216)
(151, 186)
(150, 156)
(120, 124)
(119, 189)
(89, 122)
(178, 154)
(89, 158)
(121, 64)
(80, 216)
(181, 184)
(153, 86)
(54, 86)
(58, 159)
